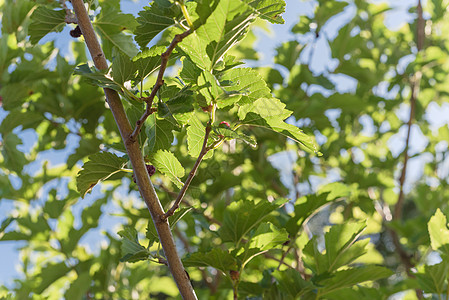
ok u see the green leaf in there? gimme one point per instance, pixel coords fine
(6, 223)
(148, 61)
(216, 31)
(288, 54)
(434, 278)
(195, 136)
(79, 287)
(326, 10)
(99, 167)
(292, 283)
(167, 163)
(269, 10)
(270, 114)
(267, 236)
(230, 134)
(44, 21)
(155, 19)
(123, 68)
(159, 133)
(132, 250)
(242, 216)
(85, 148)
(49, 274)
(439, 232)
(350, 277)
(217, 258)
(109, 24)
(17, 117)
(245, 85)
(96, 77)
(342, 248)
(13, 158)
(14, 14)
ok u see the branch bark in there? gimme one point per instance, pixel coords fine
(192, 173)
(142, 178)
(159, 82)
(405, 258)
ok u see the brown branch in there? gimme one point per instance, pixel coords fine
(405, 258)
(415, 83)
(142, 178)
(159, 82)
(192, 173)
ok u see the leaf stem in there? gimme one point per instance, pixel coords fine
(159, 82)
(192, 174)
(186, 14)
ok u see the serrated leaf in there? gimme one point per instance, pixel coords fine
(96, 77)
(148, 61)
(292, 283)
(269, 10)
(342, 248)
(159, 133)
(195, 136)
(246, 84)
(266, 237)
(99, 167)
(164, 112)
(167, 163)
(230, 134)
(217, 258)
(350, 277)
(155, 19)
(439, 232)
(44, 21)
(189, 72)
(109, 24)
(123, 68)
(434, 278)
(216, 31)
(270, 114)
(132, 250)
(242, 216)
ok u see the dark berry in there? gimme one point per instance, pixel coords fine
(151, 169)
(234, 275)
(76, 33)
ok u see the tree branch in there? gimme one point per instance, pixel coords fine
(142, 178)
(192, 173)
(405, 258)
(159, 82)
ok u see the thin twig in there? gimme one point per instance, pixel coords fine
(405, 258)
(415, 83)
(69, 16)
(159, 82)
(192, 173)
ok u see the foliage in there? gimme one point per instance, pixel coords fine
(337, 221)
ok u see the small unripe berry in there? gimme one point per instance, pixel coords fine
(225, 123)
